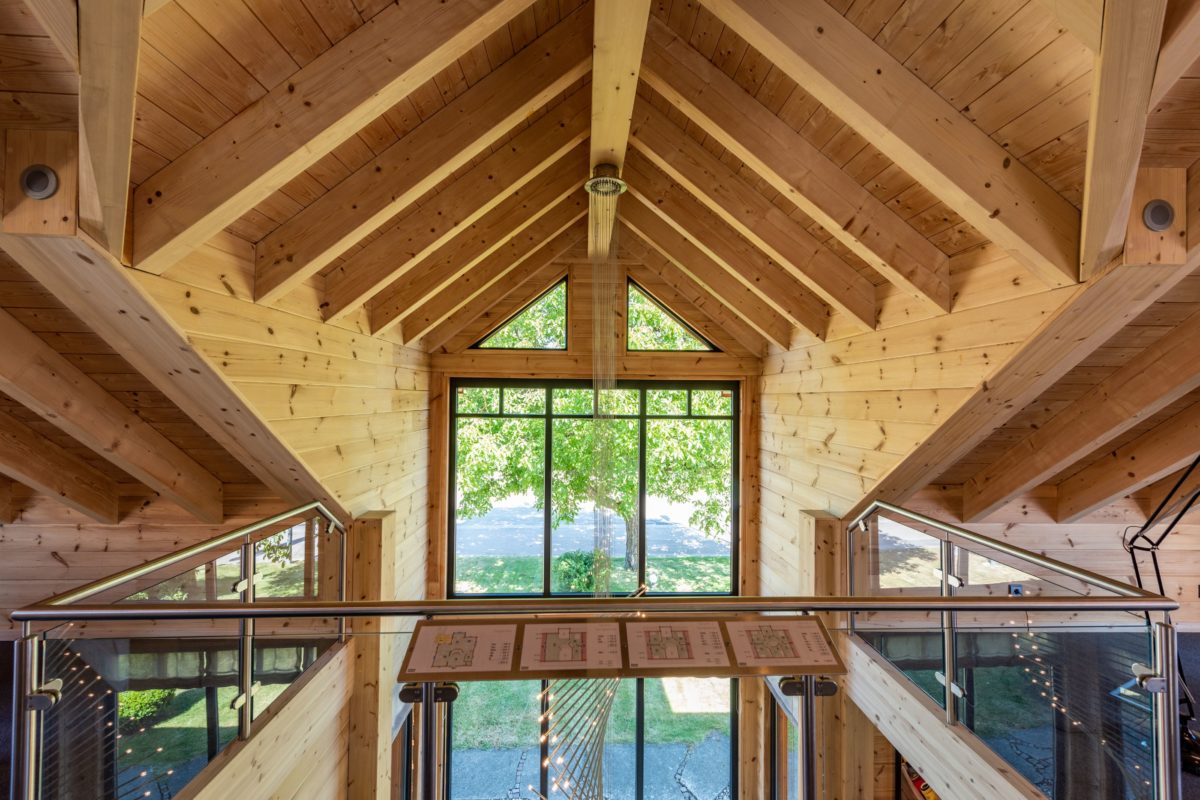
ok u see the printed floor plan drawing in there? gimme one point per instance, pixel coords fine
(454, 651)
(771, 642)
(563, 645)
(666, 644)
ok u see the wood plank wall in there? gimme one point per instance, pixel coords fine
(352, 406)
(50, 548)
(838, 414)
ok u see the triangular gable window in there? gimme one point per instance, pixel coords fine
(541, 325)
(653, 327)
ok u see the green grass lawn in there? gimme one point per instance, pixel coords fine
(523, 574)
(504, 714)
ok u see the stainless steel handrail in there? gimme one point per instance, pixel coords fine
(279, 609)
(1117, 587)
(112, 581)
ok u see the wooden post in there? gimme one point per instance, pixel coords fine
(753, 717)
(439, 470)
(372, 575)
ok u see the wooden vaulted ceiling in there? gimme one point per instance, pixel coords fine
(417, 167)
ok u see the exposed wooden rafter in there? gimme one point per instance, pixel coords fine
(1181, 31)
(538, 241)
(301, 120)
(397, 177)
(1157, 377)
(108, 298)
(60, 20)
(911, 124)
(794, 167)
(29, 457)
(109, 43)
(481, 304)
(1151, 457)
(741, 206)
(722, 243)
(1121, 83)
(35, 375)
(401, 247)
(473, 245)
(740, 291)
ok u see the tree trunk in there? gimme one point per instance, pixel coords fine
(631, 543)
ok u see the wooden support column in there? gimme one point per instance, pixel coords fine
(372, 574)
(8, 508)
(753, 696)
(439, 498)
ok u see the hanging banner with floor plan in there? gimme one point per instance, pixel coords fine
(513, 648)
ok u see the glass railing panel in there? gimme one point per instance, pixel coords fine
(301, 562)
(283, 650)
(1060, 702)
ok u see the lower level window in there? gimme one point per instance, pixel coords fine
(665, 738)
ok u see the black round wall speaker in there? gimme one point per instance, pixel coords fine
(1158, 215)
(39, 181)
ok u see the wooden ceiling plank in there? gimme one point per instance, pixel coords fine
(472, 246)
(721, 243)
(60, 20)
(1083, 18)
(921, 132)
(1181, 32)
(708, 302)
(35, 375)
(109, 44)
(497, 292)
(298, 122)
(796, 169)
(540, 241)
(112, 302)
(484, 319)
(29, 457)
(1164, 449)
(464, 128)
(1121, 82)
(1157, 377)
(739, 291)
(740, 205)
(476, 192)
(618, 38)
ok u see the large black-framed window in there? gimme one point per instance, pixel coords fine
(521, 521)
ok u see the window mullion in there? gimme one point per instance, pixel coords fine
(547, 476)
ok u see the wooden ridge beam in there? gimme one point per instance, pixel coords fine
(541, 238)
(480, 303)
(893, 109)
(472, 245)
(1121, 83)
(1158, 376)
(714, 307)
(1160, 452)
(111, 301)
(669, 295)
(397, 177)
(431, 224)
(620, 33)
(740, 291)
(110, 35)
(1181, 31)
(35, 375)
(741, 206)
(301, 120)
(794, 167)
(722, 243)
(29, 457)
(516, 296)
(1092, 314)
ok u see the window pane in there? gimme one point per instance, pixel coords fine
(651, 327)
(687, 737)
(712, 402)
(524, 401)
(499, 524)
(573, 401)
(619, 401)
(689, 497)
(495, 739)
(578, 559)
(666, 402)
(620, 744)
(478, 400)
(541, 326)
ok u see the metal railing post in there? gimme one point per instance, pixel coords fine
(27, 722)
(342, 564)
(428, 743)
(949, 654)
(1166, 714)
(246, 676)
(808, 718)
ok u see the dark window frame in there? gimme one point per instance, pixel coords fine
(633, 284)
(479, 345)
